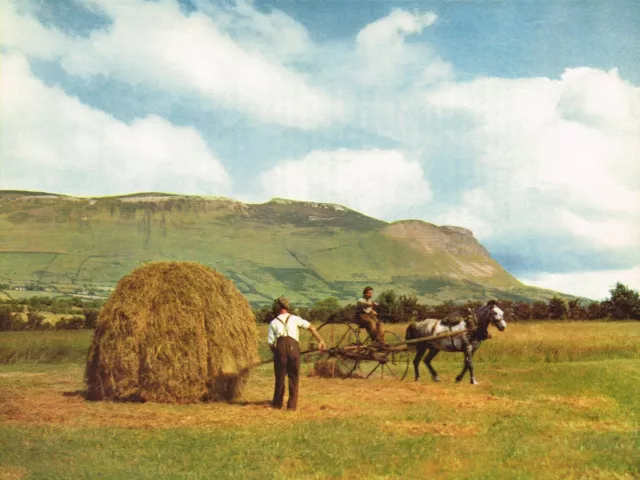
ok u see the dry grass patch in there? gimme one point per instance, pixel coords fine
(54, 318)
(12, 473)
(59, 400)
(56, 400)
(588, 403)
(444, 429)
(602, 474)
(597, 426)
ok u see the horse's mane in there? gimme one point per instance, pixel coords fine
(482, 316)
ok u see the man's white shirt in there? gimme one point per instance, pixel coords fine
(277, 328)
(365, 305)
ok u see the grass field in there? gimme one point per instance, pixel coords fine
(555, 400)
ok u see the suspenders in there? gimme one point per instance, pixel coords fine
(286, 330)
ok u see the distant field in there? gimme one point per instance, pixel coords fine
(555, 400)
(19, 295)
(57, 346)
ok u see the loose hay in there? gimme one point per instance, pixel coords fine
(330, 369)
(172, 332)
(325, 369)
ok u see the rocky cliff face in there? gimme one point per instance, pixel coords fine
(466, 258)
(430, 238)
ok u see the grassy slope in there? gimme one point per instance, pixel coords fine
(532, 416)
(267, 250)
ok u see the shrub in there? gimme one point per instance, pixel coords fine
(70, 323)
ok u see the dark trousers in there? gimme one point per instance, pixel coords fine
(286, 363)
(372, 325)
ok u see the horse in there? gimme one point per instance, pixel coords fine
(468, 342)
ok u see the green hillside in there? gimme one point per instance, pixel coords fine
(305, 250)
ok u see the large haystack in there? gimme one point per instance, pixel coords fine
(172, 332)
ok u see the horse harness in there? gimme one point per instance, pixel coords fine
(449, 323)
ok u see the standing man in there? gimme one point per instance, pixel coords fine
(367, 317)
(283, 340)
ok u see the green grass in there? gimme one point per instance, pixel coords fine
(44, 346)
(547, 342)
(572, 420)
(573, 414)
(25, 294)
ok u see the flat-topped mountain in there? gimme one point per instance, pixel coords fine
(305, 250)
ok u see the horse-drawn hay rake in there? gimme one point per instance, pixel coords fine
(351, 353)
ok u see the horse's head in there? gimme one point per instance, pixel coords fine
(496, 316)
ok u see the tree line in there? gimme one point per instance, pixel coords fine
(623, 303)
(27, 313)
(14, 321)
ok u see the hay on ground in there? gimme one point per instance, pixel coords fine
(329, 369)
(172, 332)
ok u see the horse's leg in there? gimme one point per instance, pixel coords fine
(427, 361)
(470, 363)
(464, 369)
(468, 351)
(420, 349)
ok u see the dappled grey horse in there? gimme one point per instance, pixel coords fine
(467, 342)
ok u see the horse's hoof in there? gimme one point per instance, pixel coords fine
(458, 379)
(474, 382)
(436, 379)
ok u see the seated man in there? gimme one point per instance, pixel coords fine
(367, 317)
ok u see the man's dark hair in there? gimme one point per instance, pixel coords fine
(367, 289)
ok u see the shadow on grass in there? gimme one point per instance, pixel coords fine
(76, 393)
(241, 403)
(245, 403)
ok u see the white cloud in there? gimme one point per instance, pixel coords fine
(435, 72)
(596, 98)
(389, 32)
(551, 155)
(464, 213)
(608, 233)
(384, 59)
(51, 141)
(376, 182)
(274, 34)
(590, 284)
(154, 44)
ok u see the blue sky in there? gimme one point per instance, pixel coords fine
(519, 120)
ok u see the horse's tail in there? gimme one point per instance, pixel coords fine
(412, 332)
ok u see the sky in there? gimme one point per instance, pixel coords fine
(519, 120)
